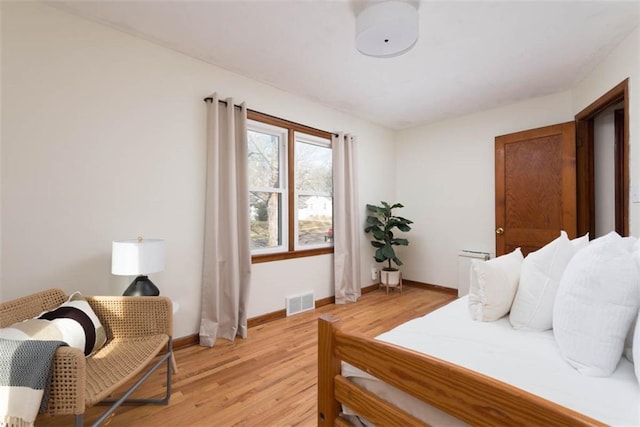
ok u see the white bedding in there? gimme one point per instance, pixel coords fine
(527, 360)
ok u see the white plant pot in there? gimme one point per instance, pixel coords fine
(390, 278)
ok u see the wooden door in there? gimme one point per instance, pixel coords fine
(535, 187)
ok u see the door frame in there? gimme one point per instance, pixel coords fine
(585, 189)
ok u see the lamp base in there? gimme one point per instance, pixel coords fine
(141, 286)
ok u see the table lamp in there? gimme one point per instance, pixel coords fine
(138, 257)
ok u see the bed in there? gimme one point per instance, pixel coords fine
(446, 369)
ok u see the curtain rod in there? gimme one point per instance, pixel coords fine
(210, 99)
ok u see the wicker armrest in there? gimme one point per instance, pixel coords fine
(30, 306)
(126, 317)
(68, 378)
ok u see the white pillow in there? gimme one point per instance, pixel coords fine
(580, 242)
(636, 349)
(629, 346)
(493, 286)
(596, 303)
(629, 343)
(532, 307)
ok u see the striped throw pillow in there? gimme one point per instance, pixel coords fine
(73, 322)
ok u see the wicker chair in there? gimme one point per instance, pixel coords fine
(138, 329)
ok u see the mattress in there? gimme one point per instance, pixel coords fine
(528, 360)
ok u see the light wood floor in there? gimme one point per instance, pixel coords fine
(268, 379)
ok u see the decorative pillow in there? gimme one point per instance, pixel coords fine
(580, 242)
(636, 349)
(73, 322)
(629, 346)
(493, 286)
(596, 303)
(532, 307)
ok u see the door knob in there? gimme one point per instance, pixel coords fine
(500, 230)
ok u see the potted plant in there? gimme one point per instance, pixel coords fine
(381, 222)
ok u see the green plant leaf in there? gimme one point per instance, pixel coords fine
(404, 227)
(405, 220)
(372, 228)
(379, 257)
(374, 221)
(387, 251)
(393, 222)
(379, 234)
(400, 242)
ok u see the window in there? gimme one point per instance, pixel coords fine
(290, 189)
(313, 183)
(267, 187)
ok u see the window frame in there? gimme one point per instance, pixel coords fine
(283, 175)
(305, 138)
(291, 250)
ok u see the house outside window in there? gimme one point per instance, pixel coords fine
(290, 189)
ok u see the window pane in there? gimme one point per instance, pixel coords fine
(313, 167)
(315, 220)
(264, 160)
(265, 213)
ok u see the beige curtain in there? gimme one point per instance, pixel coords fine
(226, 271)
(346, 224)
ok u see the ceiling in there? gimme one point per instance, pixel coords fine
(470, 55)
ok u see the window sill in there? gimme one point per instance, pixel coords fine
(257, 259)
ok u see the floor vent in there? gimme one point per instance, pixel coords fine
(298, 303)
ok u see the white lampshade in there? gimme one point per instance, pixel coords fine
(387, 29)
(137, 256)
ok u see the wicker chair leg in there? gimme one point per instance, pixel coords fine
(124, 399)
(171, 363)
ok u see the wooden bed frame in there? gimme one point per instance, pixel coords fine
(472, 397)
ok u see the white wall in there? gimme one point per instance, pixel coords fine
(103, 138)
(445, 170)
(446, 182)
(604, 171)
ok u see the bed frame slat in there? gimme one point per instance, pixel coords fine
(374, 409)
(465, 394)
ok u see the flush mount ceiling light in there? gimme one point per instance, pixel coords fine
(387, 29)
